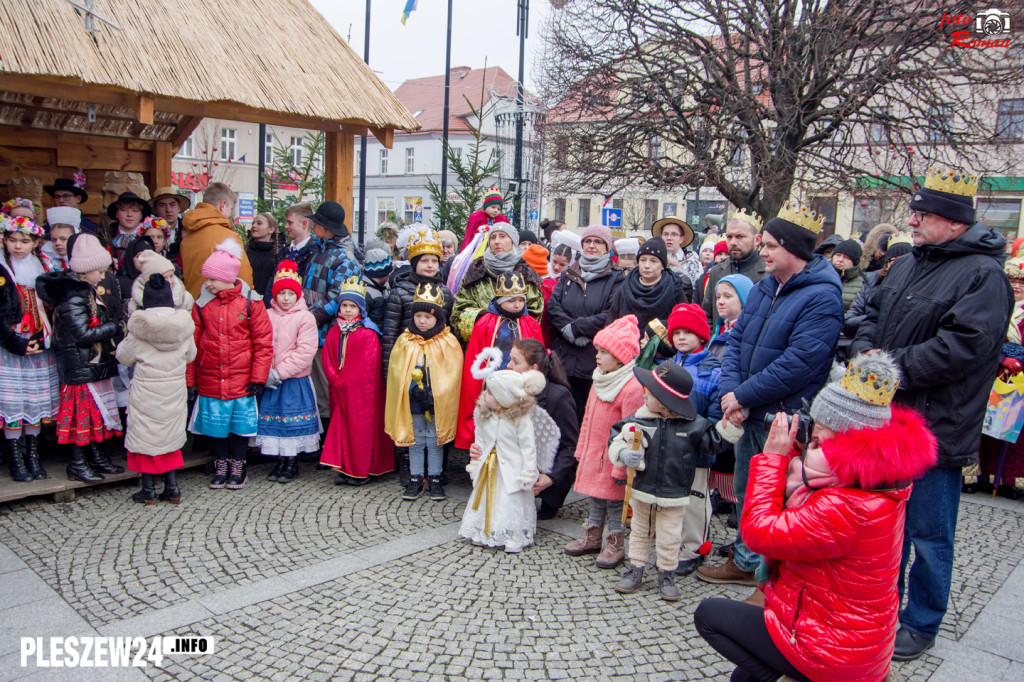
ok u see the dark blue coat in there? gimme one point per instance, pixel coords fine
(781, 348)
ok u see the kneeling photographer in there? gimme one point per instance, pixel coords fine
(828, 520)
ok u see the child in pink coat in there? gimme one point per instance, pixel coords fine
(615, 394)
(288, 420)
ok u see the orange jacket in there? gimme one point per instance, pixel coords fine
(205, 227)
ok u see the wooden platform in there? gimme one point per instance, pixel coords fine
(61, 489)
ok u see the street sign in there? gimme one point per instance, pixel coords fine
(611, 217)
(246, 208)
(534, 215)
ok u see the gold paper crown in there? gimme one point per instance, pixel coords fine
(424, 241)
(510, 284)
(286, 270)
(900, 238)
(1014, 268)
(429, 293)
(355, 285)
(749, 217)
(951, 182)
(802, 216)
(868, 386)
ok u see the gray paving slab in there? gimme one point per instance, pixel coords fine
(963, 662)
(154, 622)
(44, 618)
(9, 561)
(24, 587)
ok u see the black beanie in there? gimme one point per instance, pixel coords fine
(527, 236)
(955, 207)
(797, 240)
(850, 248)
(157, 293)
(435, 310)
(655, 246)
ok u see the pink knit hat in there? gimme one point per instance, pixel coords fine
(88, 254)
(224, 263)
(601, 232)
(621, 338)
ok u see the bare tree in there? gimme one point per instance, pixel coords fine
(752, 96)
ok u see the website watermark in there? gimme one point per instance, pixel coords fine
(110, 652)
(988, 28)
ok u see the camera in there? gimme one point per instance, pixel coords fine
(992, 22)
(803, 431)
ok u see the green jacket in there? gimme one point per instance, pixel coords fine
(852, 283)
(477, 290)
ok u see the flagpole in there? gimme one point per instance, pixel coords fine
(362, 141)
(522, 23)
(447, 90)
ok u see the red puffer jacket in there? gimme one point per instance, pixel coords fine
(831, 604)
(234, 344)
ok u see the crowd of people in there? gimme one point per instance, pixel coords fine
(828, 392)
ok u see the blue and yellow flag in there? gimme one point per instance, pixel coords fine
(410, 5)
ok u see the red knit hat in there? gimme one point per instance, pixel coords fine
(721, 247)
(287, 277)
(621, 338)
(691, 317)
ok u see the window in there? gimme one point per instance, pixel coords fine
(617, 203)
(413, 210)
(268, 148)
(869, 211)
(227, 144)
(584, 217)
(359, 159)
(295, 151)
(940, 118)
(654, 148)
(457, 152)
(187, 148)
(383, 163)
(650, 211)
(877, 128)
(826, 206)
(1010, 123)
(739, 156)
(1002, 214)
(560, 209)
(410, 160)
(385, 209)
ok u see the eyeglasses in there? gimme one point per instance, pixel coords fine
(919, 215)
(63, 195)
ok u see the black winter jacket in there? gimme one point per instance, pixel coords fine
(633, 298)
(74, 341)
(557, 401)
(670, 459)
(264, 263)
(586, 306)
(399, 310)
(943, 315)
(10, 315)
(855, 315)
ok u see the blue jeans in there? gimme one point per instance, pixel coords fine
(750, 443)
(930, 528)
(426, 438)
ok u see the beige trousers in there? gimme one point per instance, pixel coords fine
(667, 525)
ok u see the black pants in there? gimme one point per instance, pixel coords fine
(580, 389)
(736, 630)
(232, 447)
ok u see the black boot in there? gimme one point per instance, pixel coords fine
(171, 492)
(289, 469)
(32, 458)
(436, 489)
(238, 478)
(220, 474)
(16, 460)
(99, 461)
(402, 461)
(148, 493)
(79, 468)
(275, 474)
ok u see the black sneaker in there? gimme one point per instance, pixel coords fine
(688, 566)
(413, 490)
(436, 489)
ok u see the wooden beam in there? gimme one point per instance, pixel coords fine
(160, 172)
(67, 88)
(144, 110)
(184, 131)
(339, 158)
(386, 136)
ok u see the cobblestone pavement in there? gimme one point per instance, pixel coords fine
(313, 581)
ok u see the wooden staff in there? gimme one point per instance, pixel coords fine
(638, 441)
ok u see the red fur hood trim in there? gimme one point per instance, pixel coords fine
(899, 452)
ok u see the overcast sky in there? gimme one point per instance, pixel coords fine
(480, 29)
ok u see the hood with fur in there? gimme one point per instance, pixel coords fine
(56, 287)
(893, 455)
(165, 329)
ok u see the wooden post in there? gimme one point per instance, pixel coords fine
(339, 157)
(160, 169)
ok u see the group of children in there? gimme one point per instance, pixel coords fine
(646, 435)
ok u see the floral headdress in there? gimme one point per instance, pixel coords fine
(153, 222)
(23, 225)
(16, 202)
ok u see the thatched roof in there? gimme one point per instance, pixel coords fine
(242, 59)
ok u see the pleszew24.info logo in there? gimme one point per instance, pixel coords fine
(990, 28)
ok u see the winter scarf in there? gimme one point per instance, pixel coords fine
(641, 300)
(607, 386)
(807, 474)
(498, 264)
(592, 268)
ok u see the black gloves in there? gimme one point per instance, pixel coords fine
(423, 397)
(256, 390)
(193, 395)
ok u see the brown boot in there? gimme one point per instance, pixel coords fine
(614, 551)
(589, 542)
(726, 574)
(756, 598)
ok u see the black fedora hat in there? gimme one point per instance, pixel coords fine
(671, 385)
(66, 185)
(331, 216)
(125, 198)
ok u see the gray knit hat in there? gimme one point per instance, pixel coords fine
(507, 228)
(861, 398)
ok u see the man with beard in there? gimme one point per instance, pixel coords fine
(743, 237)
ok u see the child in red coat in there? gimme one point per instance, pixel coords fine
(234, 348)
(505, 322)
(356, 445)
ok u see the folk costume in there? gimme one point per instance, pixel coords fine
(422, 392)
(356, 445)
(29, 387)
(496, 328)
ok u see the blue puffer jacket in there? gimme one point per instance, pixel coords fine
(781, 348)
(706, 372)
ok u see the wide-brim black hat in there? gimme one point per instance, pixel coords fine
(67, 185)
(129, 197)
(671, 385)
(331, 216)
